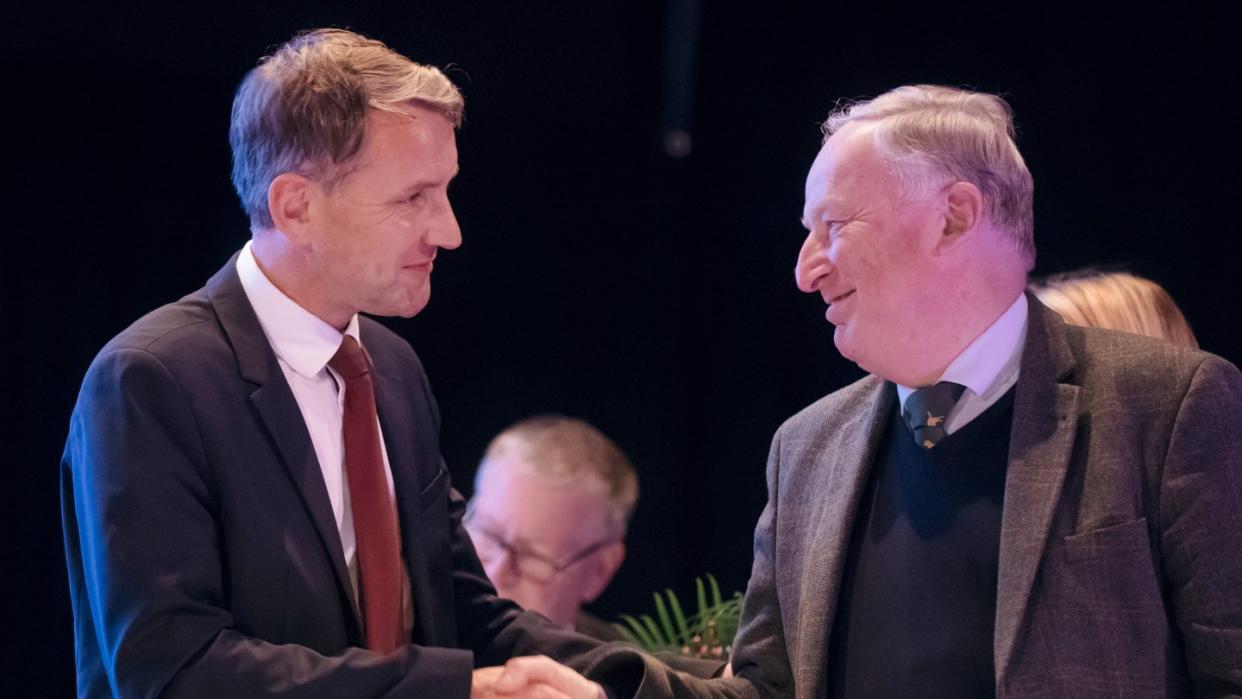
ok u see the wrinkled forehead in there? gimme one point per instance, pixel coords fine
(518, 502)
(412, 146)
(846, 161)
(505, 473)
(409, 126)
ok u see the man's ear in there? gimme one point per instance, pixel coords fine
(604, 564)
(288, 200)
(963, 212)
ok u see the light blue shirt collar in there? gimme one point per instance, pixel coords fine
(298, 337)
(988, 366)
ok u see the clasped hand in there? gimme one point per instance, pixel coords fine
(532, 677)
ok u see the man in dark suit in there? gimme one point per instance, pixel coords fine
(1007, 505)
(253, 498)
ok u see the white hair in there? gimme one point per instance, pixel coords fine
(931, 135)
(570, 453)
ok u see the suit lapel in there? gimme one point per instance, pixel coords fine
(843, 465)
(1041, 443)
(278, 410)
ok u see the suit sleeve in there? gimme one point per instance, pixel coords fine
(1201, 534)
(144, 553)
(759, 654)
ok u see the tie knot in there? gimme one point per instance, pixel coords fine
(349, 359)
(927, 408)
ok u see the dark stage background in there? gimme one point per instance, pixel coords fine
(599, 277)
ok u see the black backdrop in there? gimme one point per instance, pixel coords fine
(599, 277)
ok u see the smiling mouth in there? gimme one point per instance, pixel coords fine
(842, 297)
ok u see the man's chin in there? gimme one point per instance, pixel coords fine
(413, 311)
(405, 308)
(847, 347)
(842, 340)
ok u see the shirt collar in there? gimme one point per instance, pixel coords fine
(298, 337)
(993, 356)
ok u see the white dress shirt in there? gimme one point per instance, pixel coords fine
(303, 344)
(987, 367)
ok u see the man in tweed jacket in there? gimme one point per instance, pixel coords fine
(1098, 553)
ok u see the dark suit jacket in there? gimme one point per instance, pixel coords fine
(1121, 537)
(202, 551)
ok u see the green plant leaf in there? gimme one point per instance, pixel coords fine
(716, 600)
(701, 596)
(678, 616)
(644, 639)
(627, 635)
(654, 630)
(728, 618)
(714, 625)
(666, 623)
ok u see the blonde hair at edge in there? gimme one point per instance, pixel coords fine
(570, 453)
(933, 136)
(304, 109)
(1117, 301)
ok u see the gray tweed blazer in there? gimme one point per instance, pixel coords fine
(1121, 538)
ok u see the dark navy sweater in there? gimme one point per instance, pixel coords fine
(918, 600)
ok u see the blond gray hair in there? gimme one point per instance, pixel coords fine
(1118, 301)
(930, 135)
(304, 109)
(571, 453)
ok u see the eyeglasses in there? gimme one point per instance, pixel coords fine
(527, 564)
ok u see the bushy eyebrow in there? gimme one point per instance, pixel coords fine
(816, 210)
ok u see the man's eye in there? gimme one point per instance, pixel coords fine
(414, 198)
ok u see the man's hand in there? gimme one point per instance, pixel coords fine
(533, 677)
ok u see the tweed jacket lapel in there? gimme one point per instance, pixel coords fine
(1041, 444)
(843, 466)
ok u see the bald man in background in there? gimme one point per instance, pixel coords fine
(552, 501)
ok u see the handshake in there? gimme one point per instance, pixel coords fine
(532, 677)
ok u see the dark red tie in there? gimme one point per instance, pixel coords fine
(375, 519)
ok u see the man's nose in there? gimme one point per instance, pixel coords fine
(813, 264)
(445, 232)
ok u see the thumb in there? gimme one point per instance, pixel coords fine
(512, 679)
